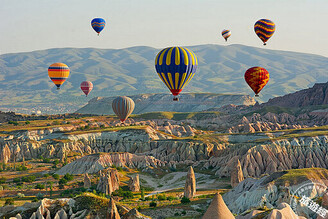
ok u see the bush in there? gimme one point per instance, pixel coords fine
(35, 199)
(161, 197)
(9, 201)
(148, 198)
(3, 180)
(20, 195)
(185, 200)
(21, 168)
(27, 122)
(16, 180)
(183, 212)
(152, 204)
(171, 198)
(39, 196)
(46, 175)
(55, 123)
(125, 194)
(13, 122)
(46, 160)
(39, 186)
(68, 177)
(56, 162)
(55, 176)
(30, 178)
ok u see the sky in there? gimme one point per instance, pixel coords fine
(28, 25)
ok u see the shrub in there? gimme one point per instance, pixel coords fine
(39, 186)
(3, 180)
(142, 194)
(21, 168)
(46, 175)
(148, 198)
(13, 122)
(27, 122)
(55, 176)
(39, 196)
(170, 198)
(9, 201)
(68, 177)
(183, 212)
(161, 197)
(16, 180)
(185, 200)
(20, 195)
(46, 160)
(55, 123)
(35, 199)
(152, 204)
(30, 178)
(56, 162)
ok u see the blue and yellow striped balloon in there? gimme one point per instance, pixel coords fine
(58, 73)
(176, 66)
(264, 29)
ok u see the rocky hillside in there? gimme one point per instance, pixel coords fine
(316, 95)
(131, 71)
(189, 102)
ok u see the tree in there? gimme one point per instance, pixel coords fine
(39, 186)
(142, 194)
(9, 201)
(55, 176)
(3, 180)
(185, 200)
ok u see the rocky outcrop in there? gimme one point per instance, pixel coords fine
(108, 181)
(5, 154)
(316, 95)
(218, 209)
(189, 102)
(112, 212)
(283, 211)
(61, 214)
(86, 181)
(134, 184)
(190, 186)
(134, 214)
(95, 162)
(236, 174)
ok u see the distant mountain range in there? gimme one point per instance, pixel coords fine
(25, 84)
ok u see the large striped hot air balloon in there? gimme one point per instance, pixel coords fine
(98, 24)
(257, 78)
(86, 87)
(226, 34)
(58, 73)
(264, 29)
(123, 107)
(176, 66)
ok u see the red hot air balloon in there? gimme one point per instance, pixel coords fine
(86, 87)
(257, 78)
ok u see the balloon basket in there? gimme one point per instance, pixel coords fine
(256, 95)
(175, 99)
(58, 88)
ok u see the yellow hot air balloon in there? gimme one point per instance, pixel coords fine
(58, 73)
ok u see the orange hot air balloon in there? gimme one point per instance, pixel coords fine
(257, 78)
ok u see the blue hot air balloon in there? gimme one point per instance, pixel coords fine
(98, 24)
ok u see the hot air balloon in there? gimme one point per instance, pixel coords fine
(226, 34)
(98, 24)
(176, 66)
(86, 87)
(123, 107)
(264, 29)
(257, 78)
(58, 73)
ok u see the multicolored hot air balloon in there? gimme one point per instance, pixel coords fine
(176, 66)
(226, 34)
(98, 24)
(58, 73)
(264, 29)
(86, 87)
(257, 78)
(123, 107)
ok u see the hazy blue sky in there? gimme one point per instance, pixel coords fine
(27, 25)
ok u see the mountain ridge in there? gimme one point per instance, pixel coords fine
(131, 71)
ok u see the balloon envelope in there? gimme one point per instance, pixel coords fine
(176, 66)
(123, 107)
(98, 24)
(264, 29)
(58, 73)
(226, 34)
(257, 78)
(86, 87)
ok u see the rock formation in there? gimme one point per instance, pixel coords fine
(283, 211)
(112, 212)
(134, 214)
(236, 174)
(61, 214)
(134, 184)
(108, 181)
(218, 209)
(87, 181)
(190, 187)
(5, 154)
